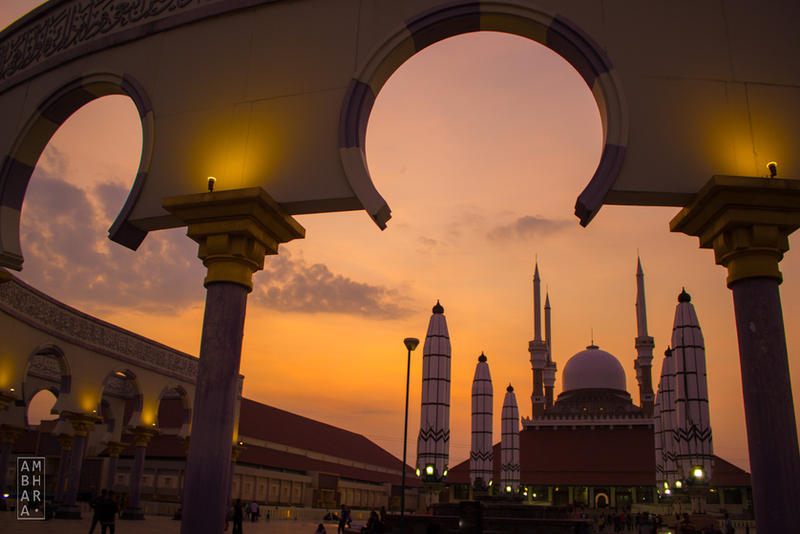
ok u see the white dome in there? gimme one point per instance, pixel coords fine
(593, 369)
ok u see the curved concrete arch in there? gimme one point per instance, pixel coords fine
(556, 33)
(19, 164)
(125, 375)
(54, 351)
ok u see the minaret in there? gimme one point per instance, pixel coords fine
(481, 457)
(509, 444)
(693, 428)
(665, 426)
(433, 445)
(644, 347)
(538, 350)
(549, 374)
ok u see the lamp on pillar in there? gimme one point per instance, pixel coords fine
(82, 423)
(234, 230)
(411, 344)
(747, 222)
(141, 436)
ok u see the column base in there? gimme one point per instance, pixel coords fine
(132, 513)
(68, 511)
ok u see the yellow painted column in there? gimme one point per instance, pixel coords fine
(114, 449)
(234, 230)
(65, 441)
(82, 424)
(747, 221)
(141, 438)
(8, 435)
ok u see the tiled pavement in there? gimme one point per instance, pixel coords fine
(151, 525)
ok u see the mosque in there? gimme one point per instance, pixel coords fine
(593, 445)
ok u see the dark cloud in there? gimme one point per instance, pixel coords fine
(527, 226)
(68, 254)
(291, 284)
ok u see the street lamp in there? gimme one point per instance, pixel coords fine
(411, 344)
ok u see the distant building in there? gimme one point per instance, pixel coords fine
(593, 446)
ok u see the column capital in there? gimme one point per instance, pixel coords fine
(234, 229)
(9, 433)
(236, 450)
(65, 441)
(142, 435)
(115, 448)
(746, 221)
(6, 398)
(81, 423)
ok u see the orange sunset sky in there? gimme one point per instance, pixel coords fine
(480, 144)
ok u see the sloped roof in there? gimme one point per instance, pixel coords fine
(598, 457)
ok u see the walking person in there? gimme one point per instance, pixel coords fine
(95, 505)
(254, 511)
(108, 514)
(344, 517)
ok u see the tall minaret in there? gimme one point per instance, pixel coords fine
(481, 457)
(509, 443)
(665, 478)
(549, 374)
(538, 349)
(644, 347)
(693, 427)
(433, 445)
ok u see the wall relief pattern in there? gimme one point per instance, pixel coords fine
(75, 23)
(23, 302)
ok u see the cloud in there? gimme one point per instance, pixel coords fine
(291, 284)
(68, 254)
(527, 226)
(67, 251)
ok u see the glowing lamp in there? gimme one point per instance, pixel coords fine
(678, 484)
(508, 489)
(773, 169)
(698, 472)
(534, 495)
(525, 493)
(668, 492)
(429, 470)
(490, 482)
(211, 181)
(666, 485)
(417, 471)
(121, 374)
(445, 472)
(11, 390)
(6, 495)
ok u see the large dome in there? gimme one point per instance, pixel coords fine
(593, 369)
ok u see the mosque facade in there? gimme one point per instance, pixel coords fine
(595, 445)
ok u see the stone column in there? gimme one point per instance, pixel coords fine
(82, 425)
(8, 435)
(65, 440)
(141, 438)
(234, 231)
(114, 449)
(747, 222)
(236, 450)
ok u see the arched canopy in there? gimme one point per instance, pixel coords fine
(19, 163)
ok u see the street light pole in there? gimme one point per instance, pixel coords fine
(411, 344)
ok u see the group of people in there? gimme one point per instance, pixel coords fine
(105, 509)
(238, 513)
(375, 524)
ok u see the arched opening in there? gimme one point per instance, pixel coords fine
(174, 414)
(556, 33)
(46, 368)
(18, 167)
(40, 407)
(121, 402)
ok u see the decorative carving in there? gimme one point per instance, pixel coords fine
(45, 367)
(40, 311)
(115, 448)
(65, 440)
(119, 387)
(75, 23)
(82, 423)
(142, 435)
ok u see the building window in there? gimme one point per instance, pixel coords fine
(713, 496)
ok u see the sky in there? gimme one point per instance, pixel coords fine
(476, 196)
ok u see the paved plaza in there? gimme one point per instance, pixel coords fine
(151, 525)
